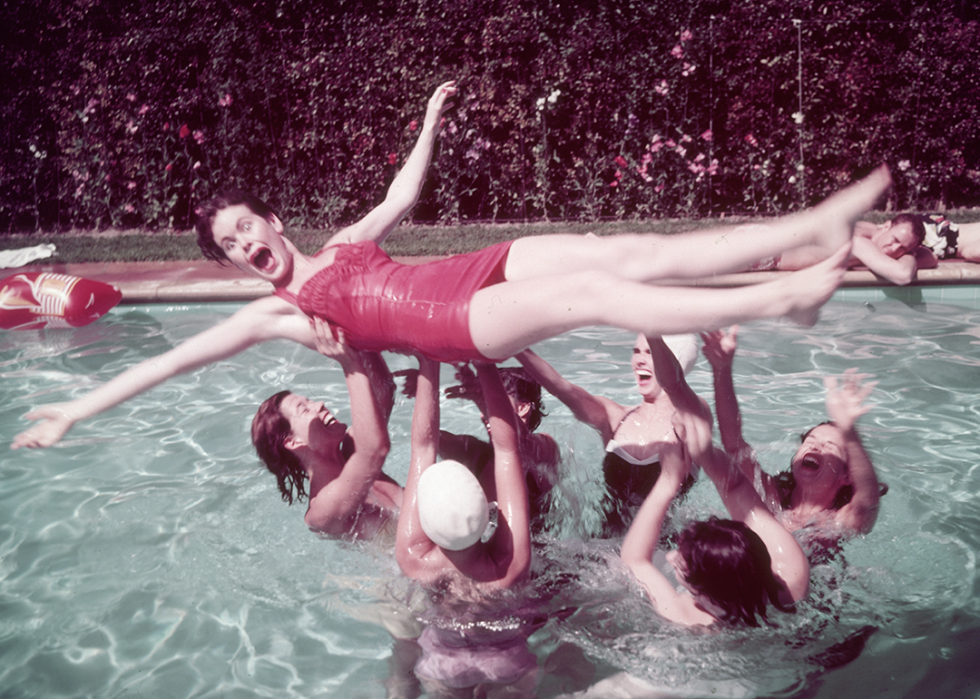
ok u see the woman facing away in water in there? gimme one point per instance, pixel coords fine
(449, 542)
(483, 306)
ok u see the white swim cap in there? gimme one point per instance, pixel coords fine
(685, 348)
(453, 508)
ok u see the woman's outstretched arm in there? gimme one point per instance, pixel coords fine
(643, 537)
(510, 547)
(332, 507)
(407, 185)
(265, 319)
(595, 411)
(719, 348)
(412, 546)
(845, 404)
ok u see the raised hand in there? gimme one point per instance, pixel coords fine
(845, 399)
(438, 104)
(334, 346)
(719, 346)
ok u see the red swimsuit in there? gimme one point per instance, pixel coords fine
(381, 304)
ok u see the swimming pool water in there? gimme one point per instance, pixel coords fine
(150, 554)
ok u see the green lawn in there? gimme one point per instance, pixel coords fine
(134, 246)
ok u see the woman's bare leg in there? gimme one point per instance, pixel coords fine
(509, 317)
(651, 257)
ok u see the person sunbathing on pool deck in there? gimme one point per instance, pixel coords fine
(892, 250)
(487, 305)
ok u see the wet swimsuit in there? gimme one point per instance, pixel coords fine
(381, 304)
(628, 482)
(458, 659)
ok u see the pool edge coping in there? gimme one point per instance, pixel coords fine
(206, 281)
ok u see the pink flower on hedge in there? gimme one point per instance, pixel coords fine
(392, 158)
(713, 168)
(144, 109)
(166, 126)
(688, 69)
(197, 164)
(621, 161)
(662, 88)
(131, 184)
(199, 136)
(750, 139)
(131, 97)
(686, 35)
(225, 101)
(184, 131)
(131, 127)
(670, 143)
(129, 208)
(677, 51)
(708, 136)
(412, 125)
(659, 188)
(169, 167)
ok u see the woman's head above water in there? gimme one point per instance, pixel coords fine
(819, 468)
(210, 209)
(727, 566)
(288, 427)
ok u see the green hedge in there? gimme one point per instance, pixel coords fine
(128, 114)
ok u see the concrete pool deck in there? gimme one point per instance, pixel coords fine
(203, 280)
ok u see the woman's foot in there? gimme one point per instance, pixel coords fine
(810, 288)
(832, 221)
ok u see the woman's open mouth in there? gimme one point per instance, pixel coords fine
(811, 462)
(263, 260)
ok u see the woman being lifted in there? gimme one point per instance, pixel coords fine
(487, 305)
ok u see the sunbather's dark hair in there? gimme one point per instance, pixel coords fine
(730, 565)
(207, 211)
(270, 430)
(918, 227)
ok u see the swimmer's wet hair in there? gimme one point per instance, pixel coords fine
(270, 430)
(207, 211)
(730, 565)
(518, 383)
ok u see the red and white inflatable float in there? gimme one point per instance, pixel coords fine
(36, 300)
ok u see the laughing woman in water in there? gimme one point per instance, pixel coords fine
(486, 305)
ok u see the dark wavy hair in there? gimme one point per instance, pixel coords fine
(270, 430)
(518, 383)
(918, 226)
(207, 211)
(730, 565)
